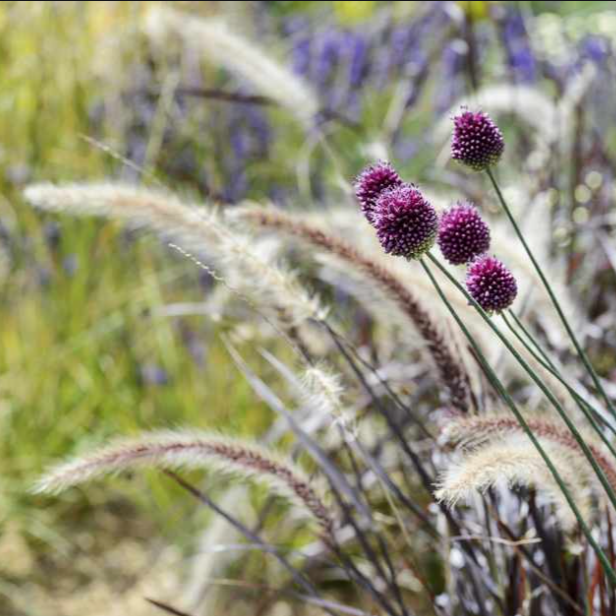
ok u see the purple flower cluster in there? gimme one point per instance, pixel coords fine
(491, 284)
(371, 183)
(462, 234)
(406, 223)
(477, 141)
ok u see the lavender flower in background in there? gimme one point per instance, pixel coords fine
(371, 183)
(491, 284)
(452, 75)
(249, 137)
(596, 49)
(477, 141)
(462, 235)
(405, 222)
(516, 43)
(153, 374)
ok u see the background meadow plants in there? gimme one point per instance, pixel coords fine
(289, 326)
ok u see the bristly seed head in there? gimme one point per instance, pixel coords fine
(477, 141)
(405, 222)
(462, 234)
(371, 183)
(491, 284)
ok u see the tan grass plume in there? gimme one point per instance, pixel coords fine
(196, 230)
(451, 370)
(223, 47)
(195, 450)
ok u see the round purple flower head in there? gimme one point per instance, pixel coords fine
(406, 224)
(462, 234)
(477, 141)
(371, 183)
(491, 284)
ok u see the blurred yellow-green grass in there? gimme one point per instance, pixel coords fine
(83, 355)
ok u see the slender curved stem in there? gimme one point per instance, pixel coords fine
(498, 385)
(541, 357)
(532, 339)
(582, 355)
(609, 490)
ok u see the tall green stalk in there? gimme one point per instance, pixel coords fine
(498, 385)
(552, 295)
(541, 357)
(531, 373)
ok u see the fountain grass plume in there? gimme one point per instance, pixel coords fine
(172, 450)
(452, 372)
(196, 230)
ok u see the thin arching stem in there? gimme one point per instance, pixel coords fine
(552, 295)
(609, 490)
(498, 385)
(582, 404)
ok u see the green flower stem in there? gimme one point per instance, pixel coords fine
(553, 299)
(548, 394)
(532, 340)
(584, 406)
(500, 388)
(548, 364)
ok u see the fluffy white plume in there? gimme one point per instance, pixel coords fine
(514, 462)
(382, 286)
(223, 47)
(196, 230)
(194, 450)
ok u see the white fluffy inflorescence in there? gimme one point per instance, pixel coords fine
(196, 230)
(514, 462)
(195, 450)
(217, 43)
(496, 451)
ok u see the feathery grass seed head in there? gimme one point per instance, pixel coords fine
(462, 234)
(477, 142)
(491, 284)
(194, 450)
(406, 223)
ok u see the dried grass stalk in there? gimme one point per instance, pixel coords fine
(473, 431)
(195, 450)
(223, 47)
(197, 230)
(451, 369)
(514, 462)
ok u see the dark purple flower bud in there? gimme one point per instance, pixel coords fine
(477, 141)
(491, 284)
(405, 222)
(462, 234)
(371, 183)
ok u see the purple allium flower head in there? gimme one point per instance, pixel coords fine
(371, 183)
(477, 141)
(491, 284)
(405, 222)
(462, 234)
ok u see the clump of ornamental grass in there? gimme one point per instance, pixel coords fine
(217, 42)
(384, 287)
(373, 528)
(197, 231)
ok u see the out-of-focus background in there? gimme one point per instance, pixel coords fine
(91, 344)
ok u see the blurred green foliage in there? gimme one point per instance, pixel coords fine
(78, 335)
